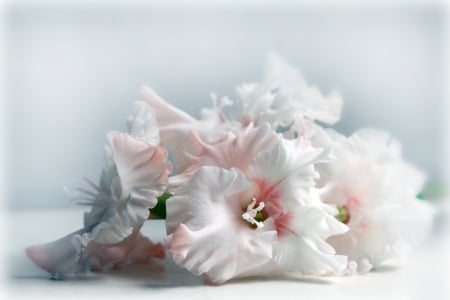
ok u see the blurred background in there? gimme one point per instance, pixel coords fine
(73, 69)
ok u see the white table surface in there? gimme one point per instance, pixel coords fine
(425, 276)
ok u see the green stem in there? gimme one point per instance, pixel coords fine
(159, 211)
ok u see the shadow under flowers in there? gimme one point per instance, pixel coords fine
(166, 274)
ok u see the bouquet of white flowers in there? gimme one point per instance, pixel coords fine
(255, 187)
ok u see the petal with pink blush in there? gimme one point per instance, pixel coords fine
(58, 257)
(72, 253)
(134, 249)
(377, 189)
(143, 171)
(236, 150)
(207, 234)
(119, 207)
(290, 164)
(174, 126)
(304, 248)
(284, 178)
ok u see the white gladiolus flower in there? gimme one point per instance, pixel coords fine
(283, 98)
(259, 188)
(139, 176)
(254, 212)
(176, 126)
(135, 174)
(375, 191)
(207, 234)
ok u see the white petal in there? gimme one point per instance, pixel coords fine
(236, 150)
(304, 249)
(306, 255)
(58, 257)
(302, 98)
(379, 190)
(290, 164)
(175, 126)
(135, 248)
(207, 234)
(143, 170)
(111, 231)
(142, 124)
(176, 129)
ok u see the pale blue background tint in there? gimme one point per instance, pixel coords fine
(73, 72)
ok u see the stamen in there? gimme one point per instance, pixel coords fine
(252, 212)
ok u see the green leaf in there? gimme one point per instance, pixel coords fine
(433, 191)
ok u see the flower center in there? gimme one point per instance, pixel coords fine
(253, 214)
(343, 214)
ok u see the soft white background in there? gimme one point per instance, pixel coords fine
(72, 71)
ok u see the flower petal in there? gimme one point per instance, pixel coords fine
(142, 124)
(58, 257)
(134, 249)
(236, 150)
(305, 249)
(290, 164)
(378, 190)
(207, 234)
(299, 96)
(143, 170)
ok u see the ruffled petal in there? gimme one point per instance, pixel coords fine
(377, 189)
(142, 124)
(143, 171)
(134, 249)
(81, 251)
(207, 234)
(58, 257)
(174, 127)
(302, 255)
(109, 231)
(236, 150)
(289, 165)
(304, 248)
(301, 98)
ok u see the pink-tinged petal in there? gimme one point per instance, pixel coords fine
(303, 247)
(207, 234)
(289, 165)
(143, 171)
(166, 113)
(134, 249)
(58, 257)
(284, 179)
(377, 189)
(236, 150)
(77, 251)
(175, 126)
